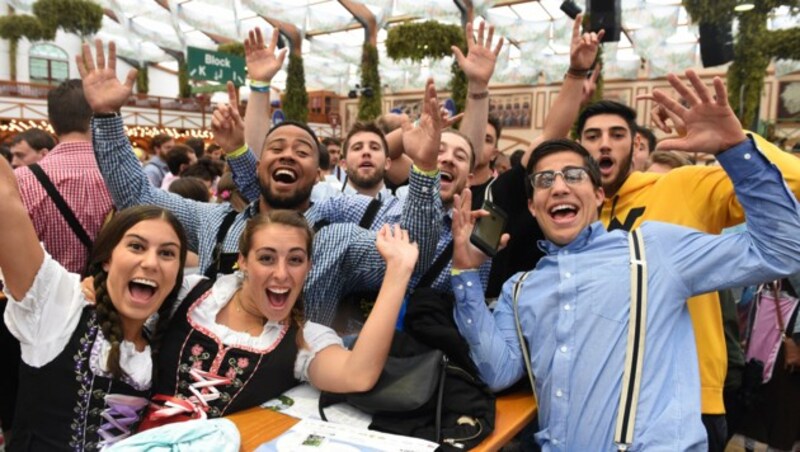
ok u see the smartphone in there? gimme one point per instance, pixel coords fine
(489, 229)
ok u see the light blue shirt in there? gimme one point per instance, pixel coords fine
(574, 311)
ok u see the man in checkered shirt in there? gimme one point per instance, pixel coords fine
(344, 255)
(72, 169)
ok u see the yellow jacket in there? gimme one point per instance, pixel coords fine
(701, 198)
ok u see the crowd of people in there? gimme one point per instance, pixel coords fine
(207, 281)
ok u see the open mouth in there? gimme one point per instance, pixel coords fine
(284, 175)
(606, 164)
(563, 213)
(446, 177)
(142, 290)
(277, 297)
(366, 165)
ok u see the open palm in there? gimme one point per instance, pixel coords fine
(479, 63)
(103, 91)
(262, 62)
(711, 125)
(421, 143)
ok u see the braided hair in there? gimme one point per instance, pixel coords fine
(293, 219)
(108, 318)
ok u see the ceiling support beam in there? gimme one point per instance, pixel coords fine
(364, 17)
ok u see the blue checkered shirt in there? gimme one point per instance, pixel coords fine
(349, 208)
(344, 256)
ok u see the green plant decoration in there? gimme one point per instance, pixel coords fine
(233, 47)
(143, 80)
(369, 108)
(184, 89)
(295, 100)
(754, 48)
(431, 39)
(18, 26)
(81, 17)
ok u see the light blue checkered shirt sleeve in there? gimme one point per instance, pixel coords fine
(245, 175)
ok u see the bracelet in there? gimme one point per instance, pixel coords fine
(577, 73)
(479, 96)
(458, 271)
(431, 173)
(238, 152)
(259, 86)
(114, 114)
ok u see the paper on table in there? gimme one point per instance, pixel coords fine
(303, 402)
(313, 436)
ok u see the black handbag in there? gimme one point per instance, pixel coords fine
(406, 384)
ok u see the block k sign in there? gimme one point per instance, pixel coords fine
(215, 66)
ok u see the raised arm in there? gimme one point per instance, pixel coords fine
(119, 166)
(576, 88)
(20, 253)
(262, 65)
(769, 248)
(338, 370)
(478, 65)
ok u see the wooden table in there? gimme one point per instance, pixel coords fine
(514, 411)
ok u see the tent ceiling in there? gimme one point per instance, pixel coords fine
(658, 31)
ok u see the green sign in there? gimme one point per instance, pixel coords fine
(208, 89)
(215, 66)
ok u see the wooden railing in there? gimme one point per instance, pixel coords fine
(39, 91)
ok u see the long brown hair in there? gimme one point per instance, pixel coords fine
(107, 315)
(290, 218)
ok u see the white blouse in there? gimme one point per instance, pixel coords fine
(47, 316)
(317, 337)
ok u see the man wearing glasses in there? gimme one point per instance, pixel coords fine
(574, 307)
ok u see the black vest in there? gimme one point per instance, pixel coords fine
(256, 375)
(59, 404)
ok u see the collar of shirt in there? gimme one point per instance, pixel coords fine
(382, 195)
(72, 147)
(588, 234)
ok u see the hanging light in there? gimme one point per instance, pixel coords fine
(744, 6)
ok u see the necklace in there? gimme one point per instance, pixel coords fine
(261, 320)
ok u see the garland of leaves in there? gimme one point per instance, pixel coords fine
(233, 47)
(754, 48)
(431, 39)
(295, 100)
(81, 17)
(369, 108)
(184, 88)
(143, 80)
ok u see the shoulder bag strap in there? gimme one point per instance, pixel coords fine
(634, 355)
(438, 265)
(776, 293)
(369, 215)
(227, 222)
(526, 356)
(63, 207)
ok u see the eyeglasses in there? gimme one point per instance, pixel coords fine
(572, 175)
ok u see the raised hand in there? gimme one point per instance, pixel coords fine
(102, 89)
(583, 48)
(465, 254)
(711, 125)
(421, 143)
(479, 63)
(262, 63)
(227, 124)
(396, 248)
(659, 117)
(590, 86)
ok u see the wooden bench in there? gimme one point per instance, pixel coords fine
(514, 411)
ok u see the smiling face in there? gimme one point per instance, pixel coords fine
(276, 266)
(608, 138)
(564, 210)
(366, 160)
(288, 169)
(143, 269)
(454, 165)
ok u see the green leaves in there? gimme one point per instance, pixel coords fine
(295, 101)
(233, 47)
(369, 108)
(81, 17)
(417, 41)
(20, 26)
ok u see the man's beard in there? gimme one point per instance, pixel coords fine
(292, 201)
(622, 175)
(368, 182)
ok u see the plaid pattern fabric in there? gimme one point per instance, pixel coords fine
(72, 169)
(344, 257)
(350, 208)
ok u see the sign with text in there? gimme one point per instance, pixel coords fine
(215, 66)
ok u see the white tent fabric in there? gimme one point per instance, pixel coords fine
(657, 34)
